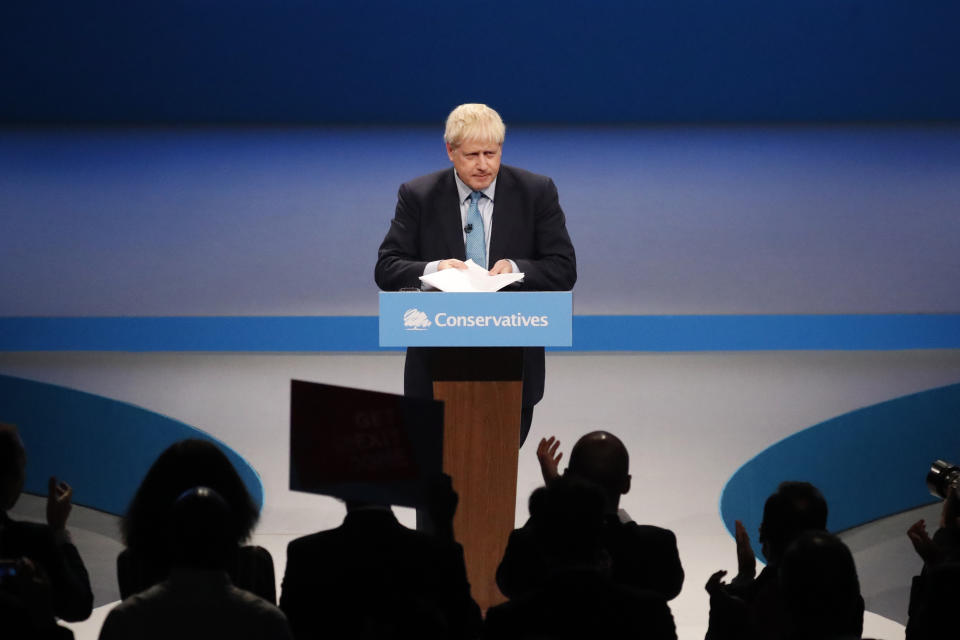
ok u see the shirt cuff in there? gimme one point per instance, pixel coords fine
(431, 267)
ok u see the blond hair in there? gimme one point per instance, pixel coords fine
(474, 122)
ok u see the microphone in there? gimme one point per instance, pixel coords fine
(468, 228)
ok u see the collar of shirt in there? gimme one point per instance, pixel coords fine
(485, 207)
(465, 191)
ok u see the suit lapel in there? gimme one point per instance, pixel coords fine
(504, 214)
(449, 217)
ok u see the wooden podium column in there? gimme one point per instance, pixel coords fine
(480, 452)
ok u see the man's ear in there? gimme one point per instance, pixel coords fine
(625, 488)
(449, 151)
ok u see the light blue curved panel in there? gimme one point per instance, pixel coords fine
(102, 447)
(869, 463)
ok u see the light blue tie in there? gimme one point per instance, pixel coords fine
(476, 244)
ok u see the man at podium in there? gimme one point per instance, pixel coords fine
(503, 218)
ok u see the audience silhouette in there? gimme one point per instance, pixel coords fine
(576, 596)
(371, 577)
(751, 606)
(936, 590)
(186, 464)
(197, 599)
(642, 556)
(820, 589)
(43, 576)
(577, 568)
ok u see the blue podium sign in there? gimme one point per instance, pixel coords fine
(503, 319)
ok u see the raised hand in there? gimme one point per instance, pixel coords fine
(715, 583)
(925, 547)
(746, 560)
(549, 458)
(58, 503)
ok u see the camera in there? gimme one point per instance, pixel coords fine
(942, 478)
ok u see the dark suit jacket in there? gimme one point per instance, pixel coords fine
(252, 570)
(69, 582)
(528, 227)
(933, 596)
(372, 573)
(750, 611)
(578, 604)
(642, 557)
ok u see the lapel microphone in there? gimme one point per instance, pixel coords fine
(468, 228)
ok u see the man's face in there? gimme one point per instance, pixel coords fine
(477, 163)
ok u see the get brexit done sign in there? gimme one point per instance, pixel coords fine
(503, 319)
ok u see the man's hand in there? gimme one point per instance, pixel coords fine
(715, 583)
(502, 266)
(549, 458)
(746, 561)
(451, 263)
(924, 546)
(58, 503)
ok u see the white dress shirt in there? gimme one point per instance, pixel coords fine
(485, 207)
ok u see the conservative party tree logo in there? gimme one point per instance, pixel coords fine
(415, 320)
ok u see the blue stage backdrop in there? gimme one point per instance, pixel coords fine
(379, 61)
(708, 222)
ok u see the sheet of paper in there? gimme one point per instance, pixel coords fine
(472, 279)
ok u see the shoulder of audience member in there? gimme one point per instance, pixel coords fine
(642, 612)
(644, 534)
(255, 602)
(647, 530)
(33, 531)
(255, 554)
(948, 539)
(313, 540)
(34, 540)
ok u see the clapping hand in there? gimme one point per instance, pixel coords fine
(715, 583)
(925, 547)
(746, 560)
(58, 503)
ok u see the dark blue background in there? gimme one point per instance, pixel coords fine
(380, 61)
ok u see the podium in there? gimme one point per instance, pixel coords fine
(477, 371)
